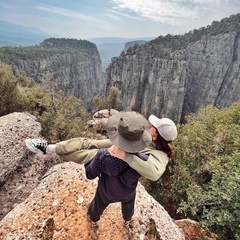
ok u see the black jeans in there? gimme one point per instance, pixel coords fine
(101, 201)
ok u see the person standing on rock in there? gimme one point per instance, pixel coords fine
(117, 182)
(82, 150)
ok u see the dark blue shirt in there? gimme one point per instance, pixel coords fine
(117, 179)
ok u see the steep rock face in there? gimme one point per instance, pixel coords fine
(70, 73)
(150, 84)
(73, 66)
(213, 67)
(179, 82)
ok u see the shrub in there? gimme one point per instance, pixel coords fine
(202, 180)
(61, 117)
(207, 165)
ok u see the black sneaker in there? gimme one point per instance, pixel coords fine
(36, 144)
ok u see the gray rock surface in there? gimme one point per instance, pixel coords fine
(173, 83)
(70, 72)
(20, 170)
(153, 78)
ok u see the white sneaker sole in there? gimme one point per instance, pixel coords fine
(30, 145)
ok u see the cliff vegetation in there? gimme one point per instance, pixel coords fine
(48, 47)
(202, 180)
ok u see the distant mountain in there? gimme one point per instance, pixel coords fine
(17, 35)
(109, 47)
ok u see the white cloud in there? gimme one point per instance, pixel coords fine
(68, 13)
(126, 18)
(174, 12)
(113, 16)
(125, 15)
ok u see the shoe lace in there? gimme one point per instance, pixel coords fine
(40, 143)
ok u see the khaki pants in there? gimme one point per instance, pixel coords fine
(80, 150)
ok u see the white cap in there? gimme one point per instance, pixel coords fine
(165, 127)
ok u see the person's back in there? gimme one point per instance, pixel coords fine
(117, 179)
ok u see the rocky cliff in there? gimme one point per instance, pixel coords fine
(73, 66)
(169, 76)
(173, 76)
(43, 198)
(148, 84)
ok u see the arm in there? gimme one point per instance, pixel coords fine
(103, 162)
(152, 169)
(93, 168)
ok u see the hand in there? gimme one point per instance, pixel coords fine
(116, 152)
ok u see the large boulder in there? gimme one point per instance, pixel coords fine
(44, 198)
(20, 170)
(57, 209)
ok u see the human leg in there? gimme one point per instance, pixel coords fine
(76, 144)
(79, 150)
(128, 208)
(98, 205)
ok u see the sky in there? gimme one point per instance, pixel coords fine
(85, 19)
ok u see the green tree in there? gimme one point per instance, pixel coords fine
(64, 118)
(8, 90)
(113, 98)
(99, 104)
(203, 178)
(206, 176)
(61, 117)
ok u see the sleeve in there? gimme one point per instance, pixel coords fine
(151, 169)
(93, 168)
